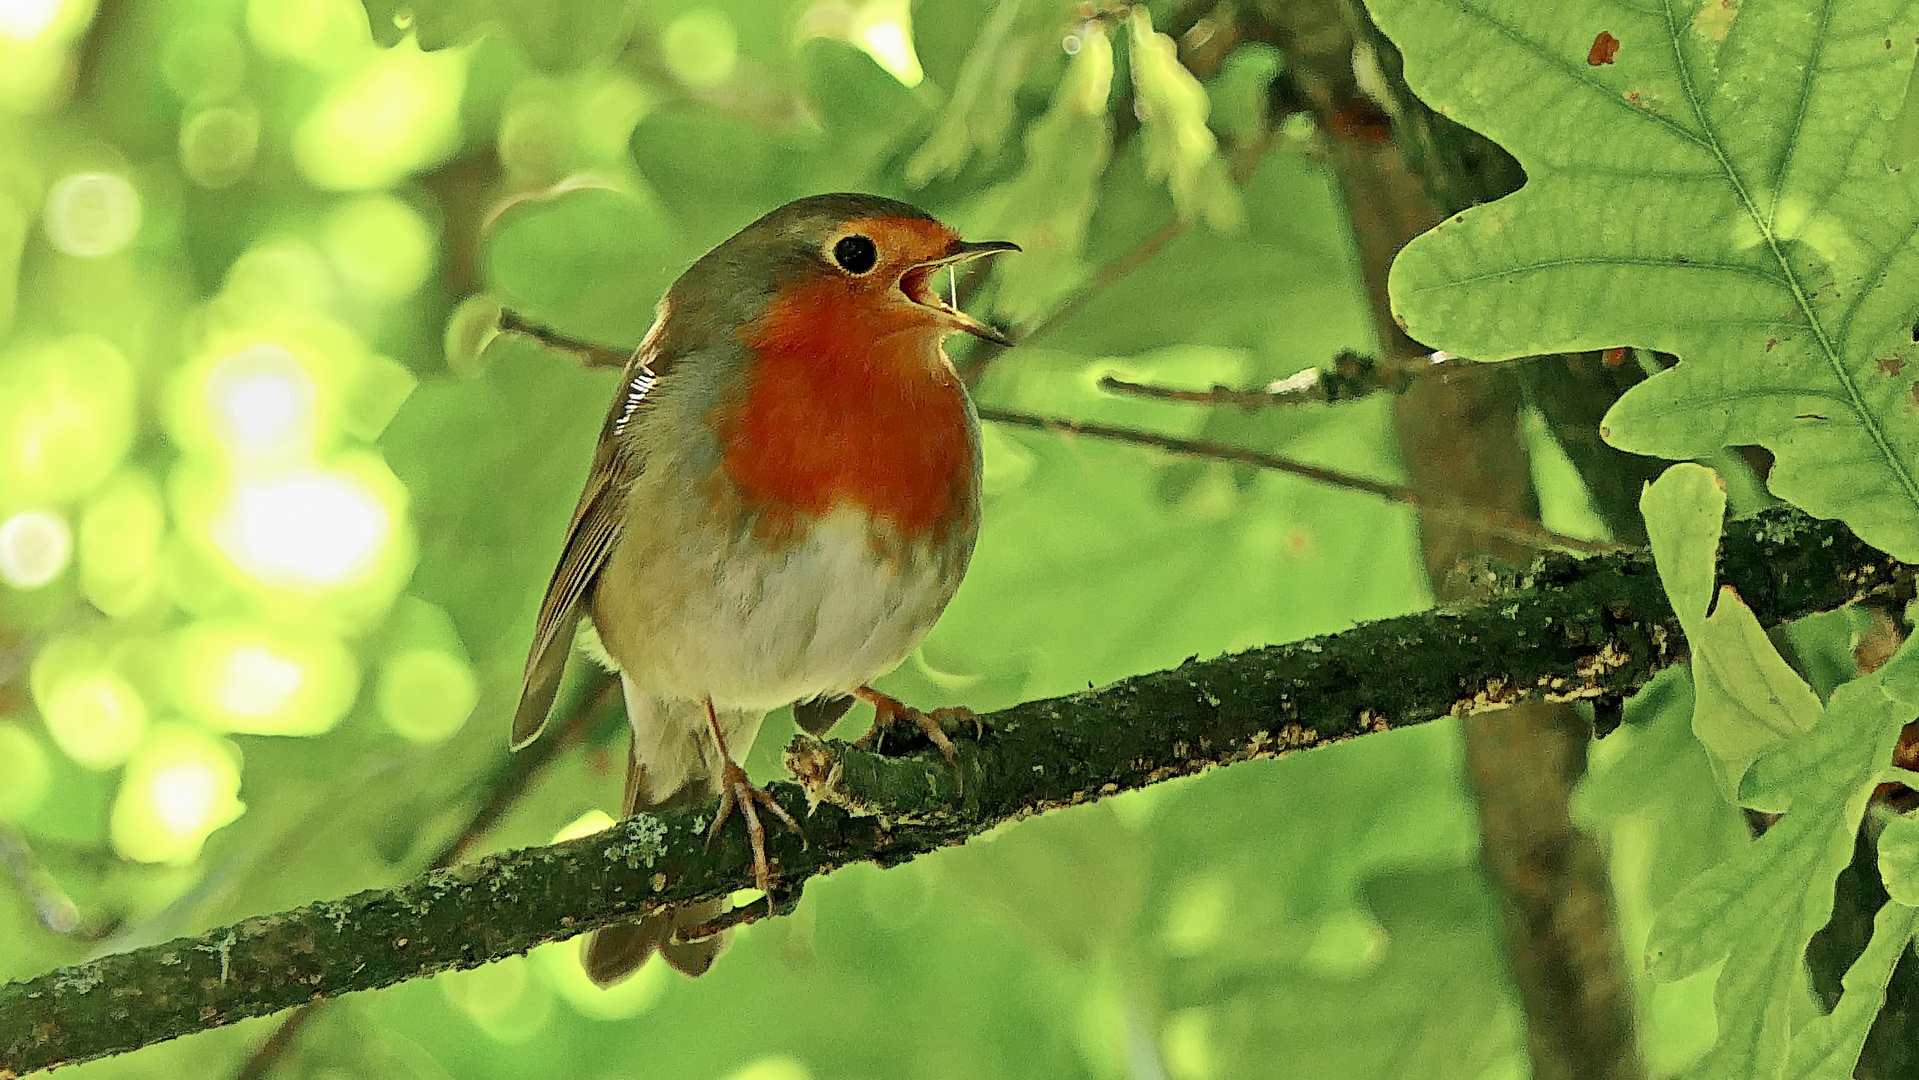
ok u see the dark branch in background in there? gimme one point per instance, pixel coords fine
(1351, 377)
(502, 789)
(1401, 169)
(1521, 531)
(1569, 629)
(1518, 530)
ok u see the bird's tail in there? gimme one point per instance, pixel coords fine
(673, 763)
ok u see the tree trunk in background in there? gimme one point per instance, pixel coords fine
(1463, 444)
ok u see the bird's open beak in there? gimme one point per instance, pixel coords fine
(918, 284)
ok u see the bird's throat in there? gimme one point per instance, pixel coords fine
(848, 404)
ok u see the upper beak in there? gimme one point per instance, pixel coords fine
(961, 251)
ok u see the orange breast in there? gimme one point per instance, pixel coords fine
(848, 406)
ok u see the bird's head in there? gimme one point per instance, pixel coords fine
(843, 276)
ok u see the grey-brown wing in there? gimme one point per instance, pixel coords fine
(590, 538)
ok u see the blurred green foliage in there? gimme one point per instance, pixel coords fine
(276, 510)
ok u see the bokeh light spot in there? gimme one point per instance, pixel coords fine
(700, 47)
(426, 694)
(1186, 1045)
(559, 966)
(593, 821)
(34, 547)
(258, 681)
(92, 214)
(311, 530)
(885, 33)
(397, 114)
(283, 272)
(1196, 917)
(381, 247)
(23, 21)
(26, 776)
(95, 718)
(179, 788)
(319, 33)
(534, 143)
(1346, 945)
(244, 677)
(183, 794)
(218, 145)
(120, 535)
(777, 1067)
(502, 999)
(260, 398)
(66, 417)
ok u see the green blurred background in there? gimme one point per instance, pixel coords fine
(276, 510)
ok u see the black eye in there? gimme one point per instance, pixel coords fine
(856, 253)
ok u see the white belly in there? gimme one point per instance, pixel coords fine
(757, 624)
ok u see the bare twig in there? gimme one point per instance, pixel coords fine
(586, 352)
(1351, 377)
(1116, 270)
(1524, 532)
(1530, 533)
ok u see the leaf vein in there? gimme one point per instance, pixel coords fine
(1834, 361)
(1573, 72)
(1800, 107)
(1658, 262)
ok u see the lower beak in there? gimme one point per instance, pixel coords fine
(961, 251)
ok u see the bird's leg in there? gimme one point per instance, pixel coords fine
(735, 788)
(888, 710)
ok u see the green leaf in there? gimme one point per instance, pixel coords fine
(1718, 192)
(1048, 205)
(1172, 120)
(552, 35)
(1828, 1047)
(1685, 511)
(1758, 909)
(979, 116)
(1747, 698)
(1899, 859)
(492, 515)
(1900, 675)
(588, 260)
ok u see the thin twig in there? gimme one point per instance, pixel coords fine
(503, 789)
(1108, 275)
(1116, 270)
(1503, 525)
(588, 354)
(1351, 377)
(1525, 532)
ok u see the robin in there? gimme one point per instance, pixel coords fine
(784, 497)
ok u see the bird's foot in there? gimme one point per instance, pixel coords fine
(888, 711)
(737, 790)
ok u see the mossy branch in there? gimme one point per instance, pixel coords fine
(1570, 629)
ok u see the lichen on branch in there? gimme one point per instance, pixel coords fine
(1570, 629)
